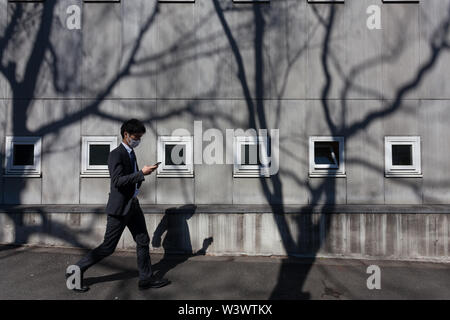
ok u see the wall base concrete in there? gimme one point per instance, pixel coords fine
(346, 231)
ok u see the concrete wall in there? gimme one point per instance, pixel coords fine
(405, 232)
(214, 184)
(304, 69)
(314, 80)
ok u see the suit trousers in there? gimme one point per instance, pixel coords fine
(135, 222)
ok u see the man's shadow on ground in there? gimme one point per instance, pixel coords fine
(177, 242)
(177, 245)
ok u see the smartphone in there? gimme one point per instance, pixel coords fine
(157, 164)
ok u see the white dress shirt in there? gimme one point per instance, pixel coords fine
(134, 169)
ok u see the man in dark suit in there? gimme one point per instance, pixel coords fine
(123, 209)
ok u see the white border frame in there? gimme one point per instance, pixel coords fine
(413, 171)
(250, 171)
(323, 170)
(95, 171)
(33, 171)
(176, 171)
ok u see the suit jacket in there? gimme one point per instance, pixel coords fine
(123, 181)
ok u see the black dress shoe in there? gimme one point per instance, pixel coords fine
(153, 282)
(82, 289)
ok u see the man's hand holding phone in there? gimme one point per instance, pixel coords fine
(146, 170)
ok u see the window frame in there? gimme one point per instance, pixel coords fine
(251, 1)
(401, 1)
(250, 170)
(31, 171)
(395, 171)
(326, 1)
(325, 170)
(177, 1)
(95, 171)
(175, 171)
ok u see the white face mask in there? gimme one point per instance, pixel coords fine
(133, 143)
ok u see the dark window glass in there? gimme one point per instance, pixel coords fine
(98, 154)
(250, 154)
(175, 154)
(402, 155)
(23, 154)
(323, 152)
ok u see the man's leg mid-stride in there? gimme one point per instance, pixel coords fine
(135, 222)
(137, 227)
(114, 228)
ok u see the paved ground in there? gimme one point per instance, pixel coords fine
(38, 273)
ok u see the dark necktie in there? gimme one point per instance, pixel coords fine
(133, 160)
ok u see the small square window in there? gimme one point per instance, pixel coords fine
(251, 158)
(101, 0)
(326, 1)
(98, 154)
(176, 156)
(402, 156)
(94, 154)
(326, 156)
(23, 156)
(398, 1)
(250, 154)
(176, 1)
(248, 1)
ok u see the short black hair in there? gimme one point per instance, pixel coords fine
(132, 126)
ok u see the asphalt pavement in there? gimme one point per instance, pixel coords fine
(38, 273)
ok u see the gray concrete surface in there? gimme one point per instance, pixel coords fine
(38, 273)
(314, 71)
(187, 71)
(392, 232)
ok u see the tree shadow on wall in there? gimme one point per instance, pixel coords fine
(314, 228)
